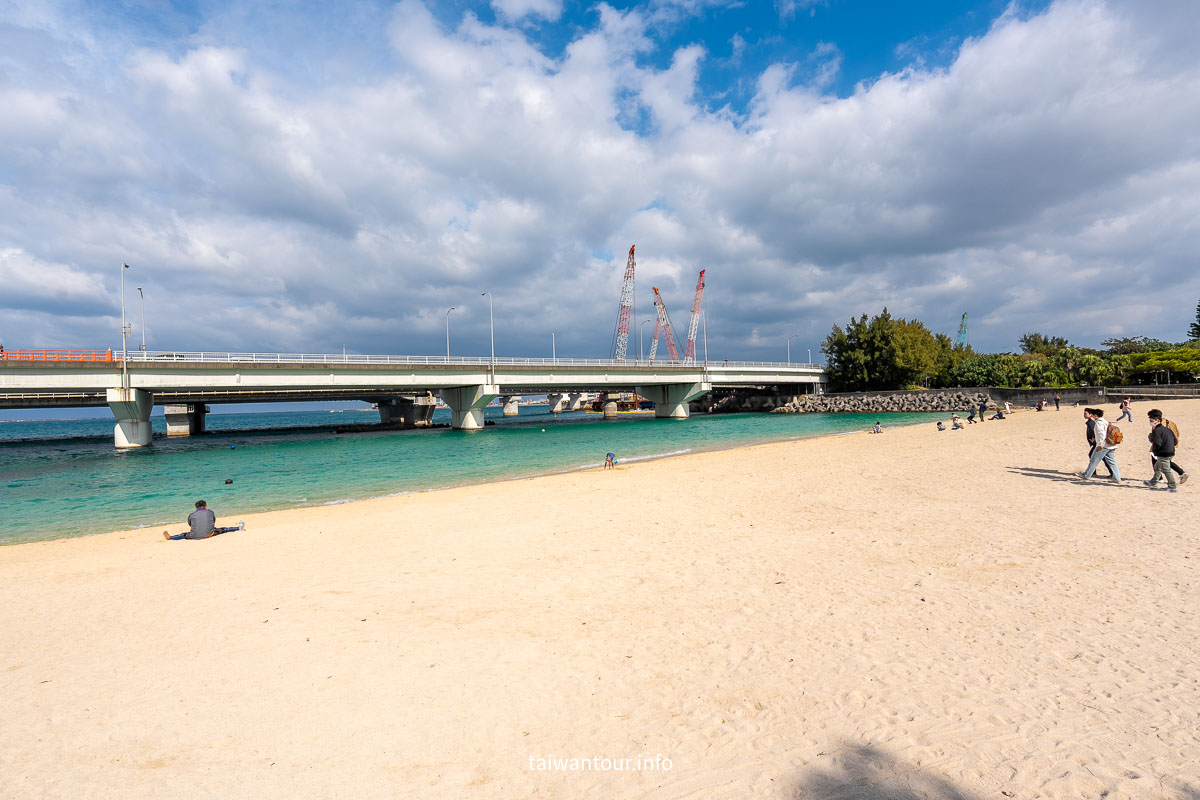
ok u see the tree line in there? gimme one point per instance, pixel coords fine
(885, 352)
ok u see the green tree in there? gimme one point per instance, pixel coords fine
(1194, 331)
(1040, 343)
(987, 369)
(1094, 369)
(879, 353)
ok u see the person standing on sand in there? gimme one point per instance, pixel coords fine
(1057, 399)
(1162, 447)
(982, 408)
(1153, 414)
(1126, 410)
(202, 523)
(1105, 451)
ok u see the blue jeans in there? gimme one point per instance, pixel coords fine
(1126, 413)
(1109, 457)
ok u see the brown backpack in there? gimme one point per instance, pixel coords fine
(1114, 436)
(1174, 430)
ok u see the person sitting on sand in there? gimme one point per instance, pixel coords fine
(956, 423)
(998, 415)
(877, 429)
(941, 425)
(202, 523)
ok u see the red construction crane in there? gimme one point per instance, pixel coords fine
(689, 354)
(663, 324)
(621, 335)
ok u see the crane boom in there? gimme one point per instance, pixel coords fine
(962, 330)
(621, 336)
(664, 324)
(689, 354)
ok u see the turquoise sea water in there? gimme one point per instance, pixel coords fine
(63, 478)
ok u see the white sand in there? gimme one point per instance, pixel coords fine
(912, 615)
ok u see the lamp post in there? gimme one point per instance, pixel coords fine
(492, 329)
(640, 327)
(143, 318)
(810, 356)
(448, 310)
(124, 333)
(553, 348)
(789, 346)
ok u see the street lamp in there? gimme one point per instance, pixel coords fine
(492, 328)
(143, 318)
(553, 349)
(640, 327)
(789, 346)
(448, 310)
(810, 356)
(124, 333)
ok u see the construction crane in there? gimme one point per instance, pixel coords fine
(689, 353)
(621, 334)
(962, 331)
(663, 324)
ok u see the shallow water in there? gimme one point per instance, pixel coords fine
(63, 478)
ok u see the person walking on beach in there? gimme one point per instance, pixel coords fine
(1153, 414)
(1057, 399)
(1126, 410)
(202, 523)
(1007, 407)
(1091, 436)
(1106, 447)
(971, 416)
(1162, 446)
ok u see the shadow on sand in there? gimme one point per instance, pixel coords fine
(864, 772)
(1073, 477)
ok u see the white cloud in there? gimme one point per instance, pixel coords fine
(519, 9)
(1054, 154)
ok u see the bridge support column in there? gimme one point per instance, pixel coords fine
(557, 402)
(185, 419)
(610, 407)
(131, 407)
(671, 401)
(576, 401)
(511, 405)
(408, 412)
(467, 404)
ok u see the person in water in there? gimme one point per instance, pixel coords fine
(202, 523)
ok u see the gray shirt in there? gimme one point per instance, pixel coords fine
(202, 523)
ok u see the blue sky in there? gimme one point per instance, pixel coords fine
(313, 175)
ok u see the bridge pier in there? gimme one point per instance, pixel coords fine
(671, 400)
(131, 407)
(557, 401)
(467, 404)
(408, 412)
(576, 400)
(185, 419)
(511, 405)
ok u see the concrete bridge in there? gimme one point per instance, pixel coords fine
(402, 386)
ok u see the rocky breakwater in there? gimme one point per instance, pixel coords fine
(883, 402)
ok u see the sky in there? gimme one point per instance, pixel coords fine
(304, 177)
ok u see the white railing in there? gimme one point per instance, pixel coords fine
(160, 357)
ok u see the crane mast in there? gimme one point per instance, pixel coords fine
(689, 354)
(962, 330)
(621, 340)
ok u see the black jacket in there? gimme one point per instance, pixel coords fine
(1162, 441)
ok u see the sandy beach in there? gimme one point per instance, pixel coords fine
(910, 615)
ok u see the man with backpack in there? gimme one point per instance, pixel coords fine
(1164, 438)
(1108, 437)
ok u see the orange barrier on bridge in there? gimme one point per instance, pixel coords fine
(56, 355)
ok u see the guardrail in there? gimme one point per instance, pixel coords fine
(159, 357)
(56, 355)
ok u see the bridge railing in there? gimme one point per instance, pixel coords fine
(479, 361)
(169, 356)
